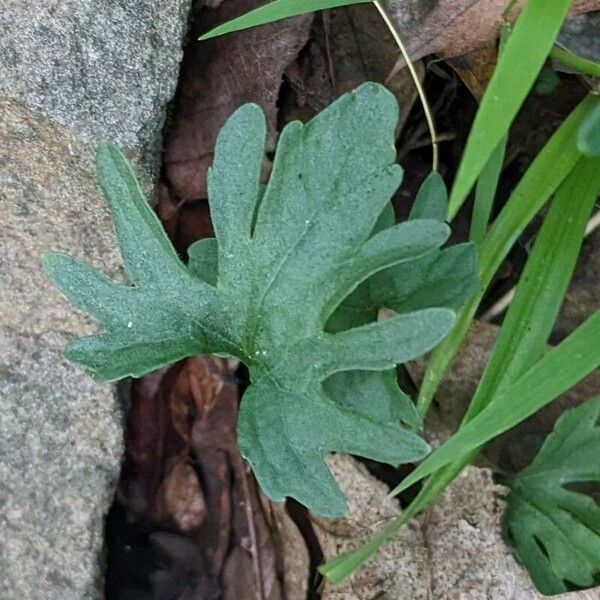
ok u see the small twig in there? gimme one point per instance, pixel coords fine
(254, 550)
(503, 303)
(420, 90)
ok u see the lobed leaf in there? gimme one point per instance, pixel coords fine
(556, 529)
(284, 258)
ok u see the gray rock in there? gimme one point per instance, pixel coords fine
(579, 34)
(61, 445)
(104, 68)
(469, 559)
(401, 568)
(73, 73)
(60, 432)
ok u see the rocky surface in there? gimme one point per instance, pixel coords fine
(73, 73)
(104, 69)
(454, 551)
(401, 568)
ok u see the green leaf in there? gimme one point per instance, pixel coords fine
(574, 61)
(522, 58)
(376, 393)
(275, 11)
(444, 278)
(523, 337)
(588, 136)
(144, 328)
(203, 260)
(432, 199)
(556, 530)
(287, 256)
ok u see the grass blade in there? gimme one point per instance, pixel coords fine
(559, 370)
(485, 191)
(546, 173)
(275, 11)
(576, 62)
(522, 58)
(525, 331)
(588, 136)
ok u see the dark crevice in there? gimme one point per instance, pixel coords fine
(301, 518)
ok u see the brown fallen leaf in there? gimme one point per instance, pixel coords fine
(448, 27)
(216, 78)
(476, 68)
(183, 472)
(347, 47)
(152, 444)
(180, 499)
(453, 27)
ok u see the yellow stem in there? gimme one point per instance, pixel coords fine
(415, 76)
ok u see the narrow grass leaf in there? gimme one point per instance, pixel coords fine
(485, 192)
(275, 11)
(524, 334)
(522, 58)
(556, 160)
(576, 62)
(559, 370)
(588, 136)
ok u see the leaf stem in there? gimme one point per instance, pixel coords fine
(418, 85)
(574, 61)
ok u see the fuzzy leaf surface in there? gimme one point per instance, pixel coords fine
(287, 255)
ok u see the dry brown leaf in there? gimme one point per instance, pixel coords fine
(454, 27)
(476, 68)
(447, 27)
(347, 47)
(180, 499)
(217, 77)
(183, 470)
